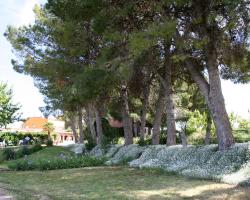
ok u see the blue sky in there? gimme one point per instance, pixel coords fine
(20, 12)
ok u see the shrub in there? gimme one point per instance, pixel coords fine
(13, 138)
(90, 142)
(57, 163)
(11, 154)
(146, 141)
(36, 147)
(8, 154)
(49, 143)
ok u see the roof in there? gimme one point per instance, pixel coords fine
(34, 123)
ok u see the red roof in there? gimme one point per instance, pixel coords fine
(35, 123)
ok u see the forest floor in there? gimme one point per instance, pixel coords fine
(112, 183)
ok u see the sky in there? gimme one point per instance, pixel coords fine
(20, 12)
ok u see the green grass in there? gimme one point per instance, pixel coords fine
(113, 183)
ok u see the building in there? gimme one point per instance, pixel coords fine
(35, 124)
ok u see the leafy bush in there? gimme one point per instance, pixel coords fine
(146, 141)
(90, 142)
(36, 147)
(57, 163)
(49, 143)
(13, 138)
(11, 154)
(8, 154)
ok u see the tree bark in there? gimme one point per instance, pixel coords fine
(214, 98)
(208, 129)
(80, 124)
(171, 129)
(127, 124)
(183, 139)
(91, 122)
(158, 116)
(99, 129)
(135, 128)
(145, 103)
(218, 109)
(73, 128)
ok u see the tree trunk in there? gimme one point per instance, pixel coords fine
(218, 109)
(126, 120)
(171, 129)
(49, 136)
(208, 129)
(135, 128)
(81, 134)
(145, 102)
(158, 116)
(183, 139)
(91, 122)
(99, 129)
(215, 101)
(73, 128)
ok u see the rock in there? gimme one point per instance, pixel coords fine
(77, 148)
(97, 151)
(126, 154)
(112, 150)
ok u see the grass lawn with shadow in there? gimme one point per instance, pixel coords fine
(114, 183)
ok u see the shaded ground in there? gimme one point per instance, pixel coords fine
(113, 183)
(5, 196)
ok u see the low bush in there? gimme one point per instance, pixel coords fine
(13, 138)
(8, 154)
(11, 154)
(49, 143)
(57, 163)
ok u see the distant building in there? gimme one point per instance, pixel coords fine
(34, 124)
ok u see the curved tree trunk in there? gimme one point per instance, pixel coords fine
(91, 122)
(217, 106)
(99, 129)
(145, 102)
(158, 116)
(171, 129)
(80, 124)
(183, 139)
(126, 120)
(215, 101)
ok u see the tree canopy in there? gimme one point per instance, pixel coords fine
(132, 58)
(8, 109)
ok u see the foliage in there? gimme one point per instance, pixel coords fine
(107, 53)
(8, 110)
(14, 137)
(56, 163)
(12, 154)
(48, 128)
(8, 154)
(49, 143)
(196, 122)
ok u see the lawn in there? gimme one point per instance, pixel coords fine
(113, 183)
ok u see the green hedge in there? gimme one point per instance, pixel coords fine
(12, 154)
(57, 163)
(13, 138)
